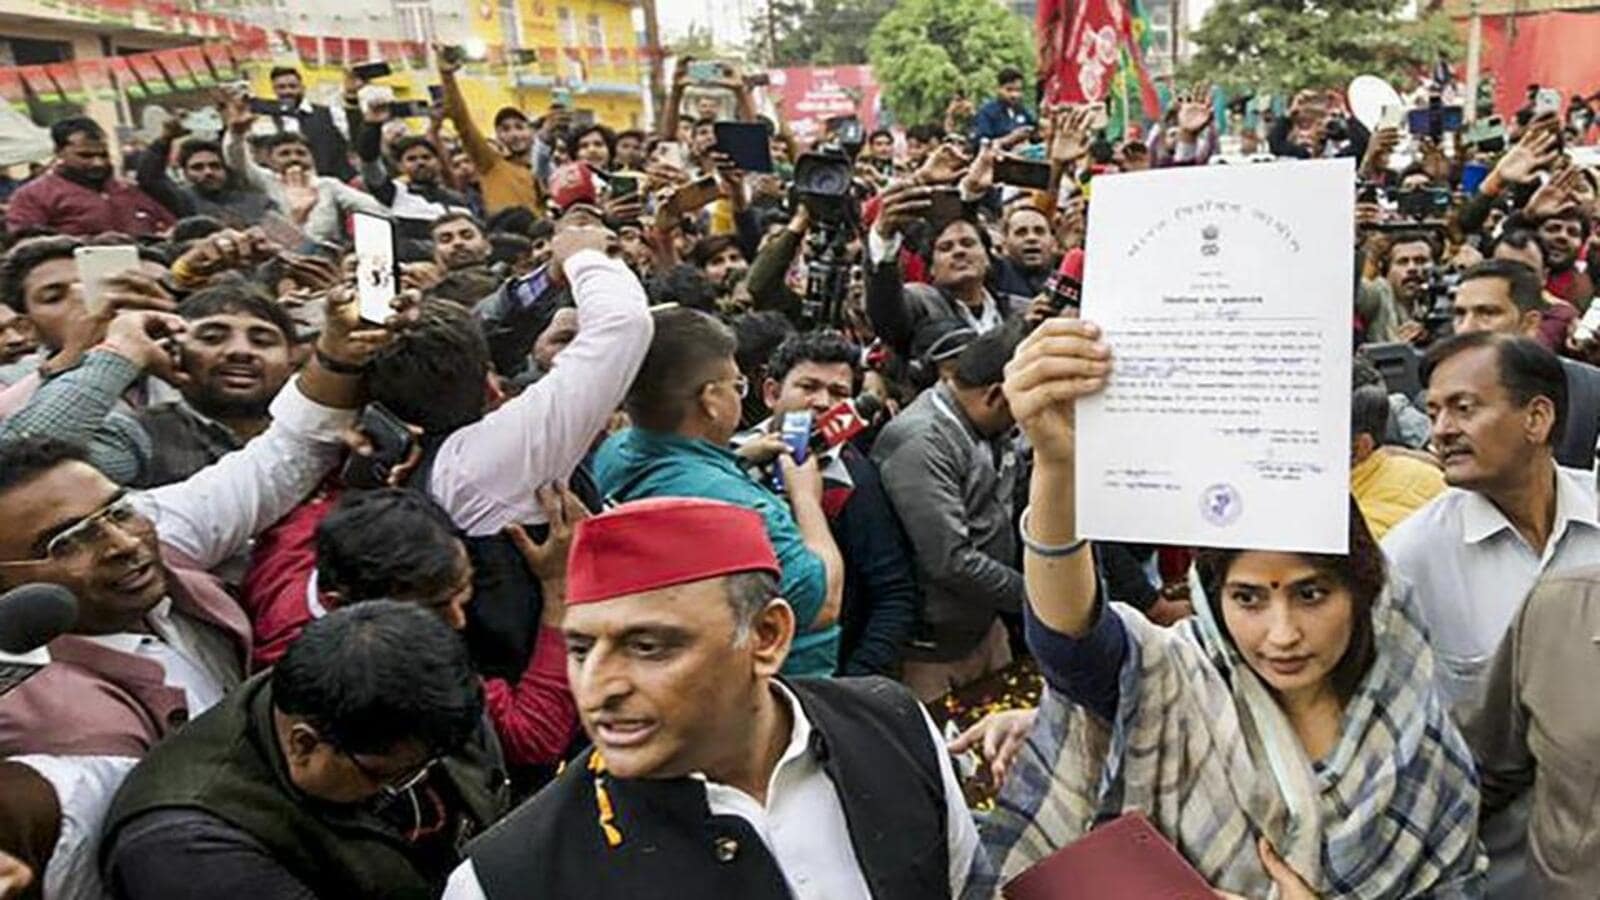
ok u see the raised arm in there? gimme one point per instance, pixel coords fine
(486, 473)
(455, 109)
(152, 172)
(1059, 362)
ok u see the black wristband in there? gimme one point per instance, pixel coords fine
(340, 368)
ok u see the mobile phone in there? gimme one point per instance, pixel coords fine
(370, 70)
(1423, 203)
(527, 290)
(409, 109)
(377, 272)
(453, 54)
(96, 265)
(1433, 121)
(846, 129)
(703, 70)
(436, 94)
(1020, 172)
(561, 96)
(207, 122)
(392, 442)
(239, 89)
(945, 205)
(1547, 102)
(758, 79)
(623, 185)
(695, 194)
(1391, 117)
(747, 143)
(261, 106)
(796, 434)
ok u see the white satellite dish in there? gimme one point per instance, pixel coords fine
(1369, 96)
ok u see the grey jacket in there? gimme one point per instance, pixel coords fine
(953, 489)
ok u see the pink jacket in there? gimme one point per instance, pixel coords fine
(92, 700)
(72, 208)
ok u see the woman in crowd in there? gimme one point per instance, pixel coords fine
(1287, 735)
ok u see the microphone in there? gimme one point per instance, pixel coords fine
(33, 615)
(1065, 285)
(844, 421)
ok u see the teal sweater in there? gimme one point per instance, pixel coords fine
(636, 464)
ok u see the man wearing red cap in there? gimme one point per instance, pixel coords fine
(711, 776)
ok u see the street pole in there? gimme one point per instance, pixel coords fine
(1474, 58)
(652, 37)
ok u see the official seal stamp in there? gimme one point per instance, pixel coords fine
(1220, 504)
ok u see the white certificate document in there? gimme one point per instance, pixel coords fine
(1224, 293)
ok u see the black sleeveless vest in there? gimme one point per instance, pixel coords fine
(872, 741)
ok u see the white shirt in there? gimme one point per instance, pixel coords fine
(803, 823)
(84, 786)
(1471, 569)
(194, 656)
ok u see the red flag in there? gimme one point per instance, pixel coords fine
(333, 51)
(360, 49)
(38, 81)
(155, 80)
(1089, 55)
(126, 80)
(172, 62)
(195, 59)
(306, 47)
(96, 76)
(66, 78)
(11, 89)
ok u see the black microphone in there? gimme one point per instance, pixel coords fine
(33, 615)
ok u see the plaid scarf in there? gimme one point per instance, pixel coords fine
(1201, 746)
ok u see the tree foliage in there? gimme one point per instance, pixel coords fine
(923, 51)
(1286, 45)
(815, 32)
(696, 42)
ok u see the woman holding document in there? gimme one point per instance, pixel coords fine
(1287, 736)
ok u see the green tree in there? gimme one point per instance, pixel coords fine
(696, 42)
(925, 50)
(815, 32)
(1284, 46)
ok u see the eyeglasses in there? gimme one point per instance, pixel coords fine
(91, 530)
(393, 789)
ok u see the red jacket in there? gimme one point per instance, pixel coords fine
(72, 208)
(535, 718)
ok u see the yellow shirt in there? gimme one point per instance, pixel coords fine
(1390, 486)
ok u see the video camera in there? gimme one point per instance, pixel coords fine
(824, 183)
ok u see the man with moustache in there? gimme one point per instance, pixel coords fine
(709, 772)
(1563, 236)
(80, 195)
(1028, 251)
(237, 352)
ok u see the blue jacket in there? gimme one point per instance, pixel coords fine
(996, 119)
(880, 581)
(636, 464)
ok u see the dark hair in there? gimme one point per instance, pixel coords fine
(983, 362)
(431, 374)
(26, 256)
(606, 134)
(1369, 412)
(190, 229)
(1363, 373)
(371, 676)
(283, 138)
(26, 458)
(505, 247)
(1520, 279)
(634, 133)
(1526, 369)
(464, 286)
(818, 347)
(1361, 572)
(759, 334)
(1517, 233)
(387, 543)
(1570, 214)
(683, 354)
(283, 70)
(198, 145)
(926, 133)
(456, 215)
(61, 132)
(516, 220)
(708, 248)
(1406, 237)
(1008, 75)
(684, 285)
(878, 133)
(401, 145)
(705, 121)
(541, 229)
(240, 298)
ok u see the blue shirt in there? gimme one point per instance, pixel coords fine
(997, 118)
(636, 464)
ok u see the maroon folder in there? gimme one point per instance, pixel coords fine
(1125, 859)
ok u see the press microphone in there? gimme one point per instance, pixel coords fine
(1065, 285)
(844, 421)
(33, 615)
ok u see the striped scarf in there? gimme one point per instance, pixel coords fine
(1200, 745)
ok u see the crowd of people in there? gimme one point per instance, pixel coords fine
(536, 588)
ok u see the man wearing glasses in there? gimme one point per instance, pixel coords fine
(685, 406)
(357, 767)
(158, 639)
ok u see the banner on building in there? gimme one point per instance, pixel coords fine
(813, 95)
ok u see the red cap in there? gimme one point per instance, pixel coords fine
(573, 183)
(657, 543)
